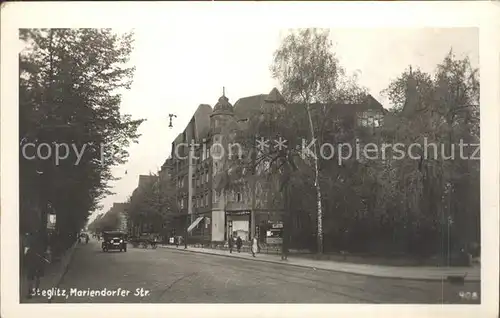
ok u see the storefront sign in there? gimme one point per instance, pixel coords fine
(275, 235)
(51, 221)
(238, 213)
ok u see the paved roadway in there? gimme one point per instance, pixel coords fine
(172, 276)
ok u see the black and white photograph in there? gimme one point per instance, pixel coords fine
(175, 161)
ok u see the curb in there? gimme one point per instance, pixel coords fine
(321, 269)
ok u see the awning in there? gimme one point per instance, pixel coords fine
(194, 224)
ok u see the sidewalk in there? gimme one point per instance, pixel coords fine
(54, 273)
(416, 273)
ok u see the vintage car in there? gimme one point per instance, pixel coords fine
(114, 240)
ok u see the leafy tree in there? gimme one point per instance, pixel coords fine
(281, 175)
(153, 206)
(109, 221)
(70, 88)
(438, 195)
(307, 70)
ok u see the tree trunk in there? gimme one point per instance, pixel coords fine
(317, 186)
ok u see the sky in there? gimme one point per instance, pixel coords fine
(180, 67)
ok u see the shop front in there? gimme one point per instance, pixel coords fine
(268, 225)
(238, 224)
(200, 229)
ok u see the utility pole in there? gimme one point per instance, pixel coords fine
(190, 190)
(254, 186)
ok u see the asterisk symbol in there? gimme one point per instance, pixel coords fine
(262, 144)
(280, 143)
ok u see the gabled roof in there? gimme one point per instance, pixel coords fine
(246, 106)
(202, 121)
(275, 97)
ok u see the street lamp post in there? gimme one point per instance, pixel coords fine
(186, 231)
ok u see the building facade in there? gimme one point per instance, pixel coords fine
(198, 162)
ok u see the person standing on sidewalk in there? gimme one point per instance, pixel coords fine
(230, 243)
(35, 265)
(239, 243)
(255, 246)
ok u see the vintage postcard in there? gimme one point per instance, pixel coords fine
(251, 159)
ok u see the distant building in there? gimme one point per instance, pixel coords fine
(121, 210)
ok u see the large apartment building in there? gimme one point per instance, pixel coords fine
(210, 214)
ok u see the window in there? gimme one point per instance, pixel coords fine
(214, 196)
(206, 176)
(266, 165)
(370, 119)
(378, 120)
(207, 155)
(238, 197)
(207, 203)
(362, 119)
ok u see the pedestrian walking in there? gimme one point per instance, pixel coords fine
(35, 264)
(177, 241)
(255, 246)
(87, 238)
(239, 243)
(230, 243)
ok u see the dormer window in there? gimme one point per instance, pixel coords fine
(370, 119)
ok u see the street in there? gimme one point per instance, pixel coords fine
(171, 276)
